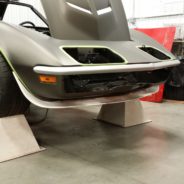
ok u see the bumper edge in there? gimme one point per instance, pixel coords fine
(77, 70)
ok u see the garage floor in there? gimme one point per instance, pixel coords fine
(81, 150)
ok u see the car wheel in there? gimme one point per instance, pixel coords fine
(174, 93)
(12, 101)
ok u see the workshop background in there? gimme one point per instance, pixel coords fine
(82, 150)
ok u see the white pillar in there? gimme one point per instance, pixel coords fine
(124, 114)
(16, 138)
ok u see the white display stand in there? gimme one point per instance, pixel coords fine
(124, 114)
(16, 138)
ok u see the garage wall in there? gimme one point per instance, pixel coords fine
(145, 12)
(148, 8)
(157, 13)
(140, 13)
(36, 4)
(17, 14)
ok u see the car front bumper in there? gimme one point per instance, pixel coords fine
(61, 104)
(82, 70)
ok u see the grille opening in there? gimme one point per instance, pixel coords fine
(94, 55)
(113, 82)
(155, 53)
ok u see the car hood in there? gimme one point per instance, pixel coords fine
(87, 20)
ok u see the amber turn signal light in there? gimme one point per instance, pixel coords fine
(47, 79)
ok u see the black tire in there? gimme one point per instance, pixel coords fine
(12, 101)
(174, 93)
(174, 88)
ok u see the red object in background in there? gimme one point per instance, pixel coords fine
(164, 36)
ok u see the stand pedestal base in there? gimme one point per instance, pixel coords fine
(124, 114)
(16, 138)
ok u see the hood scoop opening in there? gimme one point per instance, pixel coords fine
(155, 53)
(94, 56)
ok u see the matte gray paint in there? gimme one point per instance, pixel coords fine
(84, 102)
(70, 24)
(27, 48)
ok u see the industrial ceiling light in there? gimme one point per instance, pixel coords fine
(79, 8)
(104, 11)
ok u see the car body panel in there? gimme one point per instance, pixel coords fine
(69, 23)
(86, 101)
(28, 52)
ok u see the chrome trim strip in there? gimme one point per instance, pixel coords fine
(84, 102)
(76, 70)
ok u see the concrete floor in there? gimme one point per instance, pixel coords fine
(81, 150)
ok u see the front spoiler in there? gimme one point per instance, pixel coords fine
(84, 102)
(80, 70)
